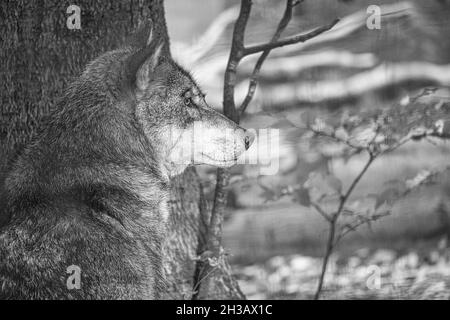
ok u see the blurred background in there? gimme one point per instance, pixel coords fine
(276, 239)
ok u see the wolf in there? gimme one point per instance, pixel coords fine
(89, 192)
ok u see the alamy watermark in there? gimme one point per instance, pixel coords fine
(373, 21)
(74, 20)
(74, 280)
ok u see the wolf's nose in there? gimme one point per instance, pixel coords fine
(248, 139)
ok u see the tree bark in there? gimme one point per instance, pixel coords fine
(40, 56)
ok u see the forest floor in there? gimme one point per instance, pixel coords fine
(365, 274)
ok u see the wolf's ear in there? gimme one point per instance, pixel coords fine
(140, 65)
(143, 35)
(145, 71)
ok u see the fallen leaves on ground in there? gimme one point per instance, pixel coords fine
(367, 274)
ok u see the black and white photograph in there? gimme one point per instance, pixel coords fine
(241, 151)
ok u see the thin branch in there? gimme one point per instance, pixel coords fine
(229, 110)
(204, 277)
(254, 77)
(213, 241)
(396, 146)
(333, 223)
(350, 24)
(291, 66)
(362, 221)
(354, 183)
(425, 92)
(236, 54)
(329, 250)
(289, 40)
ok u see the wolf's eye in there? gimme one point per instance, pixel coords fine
(188, 102)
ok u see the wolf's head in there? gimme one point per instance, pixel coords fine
(171, 107)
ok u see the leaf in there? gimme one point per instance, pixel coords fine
(309, 116)
(321, 126)
(341, 134)
(442, 127)
(362, 136)
(301, 196)
(418, 179)
(362, 206)
(205, 255)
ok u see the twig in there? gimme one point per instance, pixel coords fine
(254, 77)
(398, 145)
(350, 24)
(196, 286)
(333, 223)
(328, 251)
(291, 66)
(336, 138)
(322, 212)
(359, 223)
(236, 54)
(289, 40)
(425, 92)
(354, 183)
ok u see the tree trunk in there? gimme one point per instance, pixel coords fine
(40, 55)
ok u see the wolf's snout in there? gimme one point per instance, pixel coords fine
(249, 137)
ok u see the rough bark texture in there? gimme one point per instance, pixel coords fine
(40, 55)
